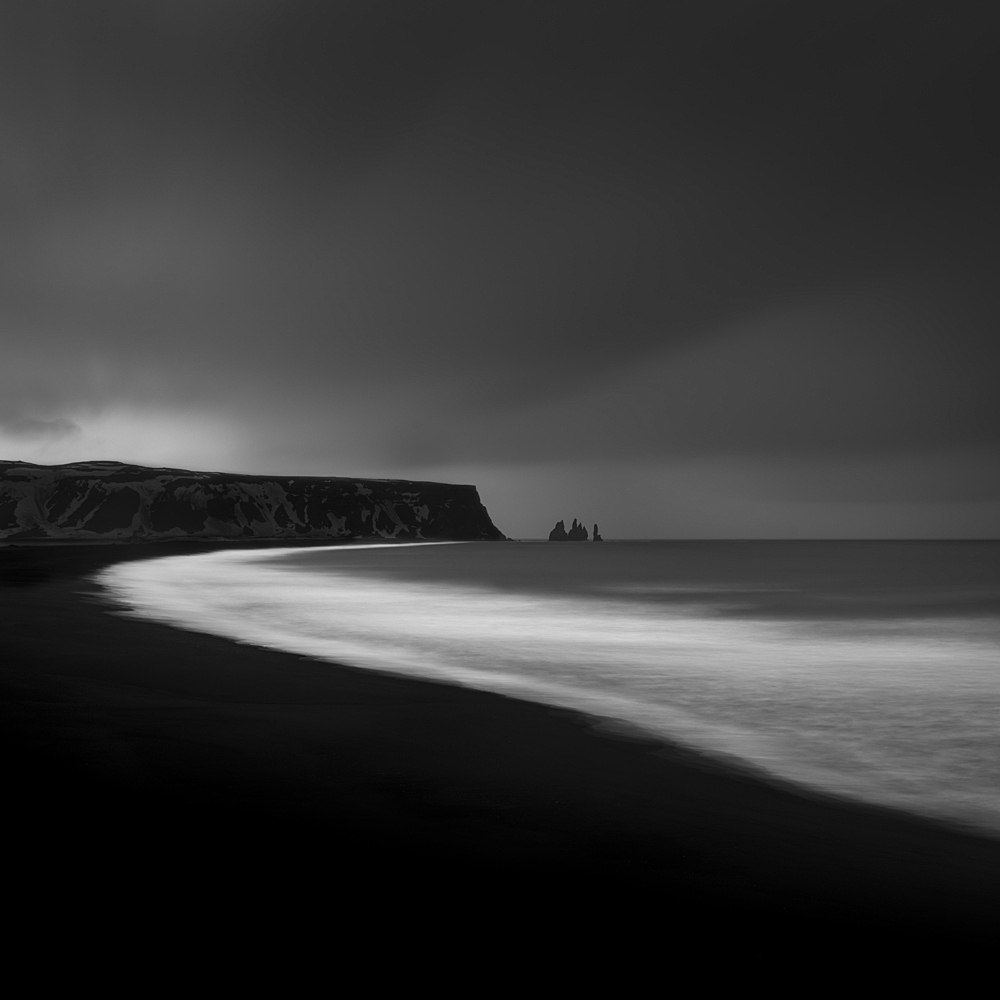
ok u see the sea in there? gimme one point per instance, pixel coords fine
(866, 670)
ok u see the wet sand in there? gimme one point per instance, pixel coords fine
(144, 761)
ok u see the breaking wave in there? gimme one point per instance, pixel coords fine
(900, 711)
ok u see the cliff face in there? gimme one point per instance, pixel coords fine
(109, 501)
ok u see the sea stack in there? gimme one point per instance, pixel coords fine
(577, 533)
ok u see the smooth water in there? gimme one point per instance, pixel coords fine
(866, 669)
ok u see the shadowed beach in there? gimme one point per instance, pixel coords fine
(143, 756)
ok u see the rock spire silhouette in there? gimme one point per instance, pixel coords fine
(576, 533)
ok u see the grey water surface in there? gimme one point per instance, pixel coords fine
(864, 669)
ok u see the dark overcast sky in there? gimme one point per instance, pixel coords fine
(695, 269)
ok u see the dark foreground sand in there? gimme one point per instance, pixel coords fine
(147, 764)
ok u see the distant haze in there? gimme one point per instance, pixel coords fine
(716, 269)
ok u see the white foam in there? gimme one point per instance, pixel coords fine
(900, 713)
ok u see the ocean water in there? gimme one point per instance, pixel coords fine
(862, 669)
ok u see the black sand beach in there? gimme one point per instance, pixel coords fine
(145, 761)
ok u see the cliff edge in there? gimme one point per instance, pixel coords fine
(115, 502)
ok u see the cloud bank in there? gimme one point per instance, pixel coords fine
(739, 255)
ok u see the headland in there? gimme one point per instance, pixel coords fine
(118, 502)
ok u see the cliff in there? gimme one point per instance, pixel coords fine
(113, 502)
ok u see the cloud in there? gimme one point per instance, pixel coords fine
(859, 372)
(341, 238)
(32, 429)
(196, 439)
